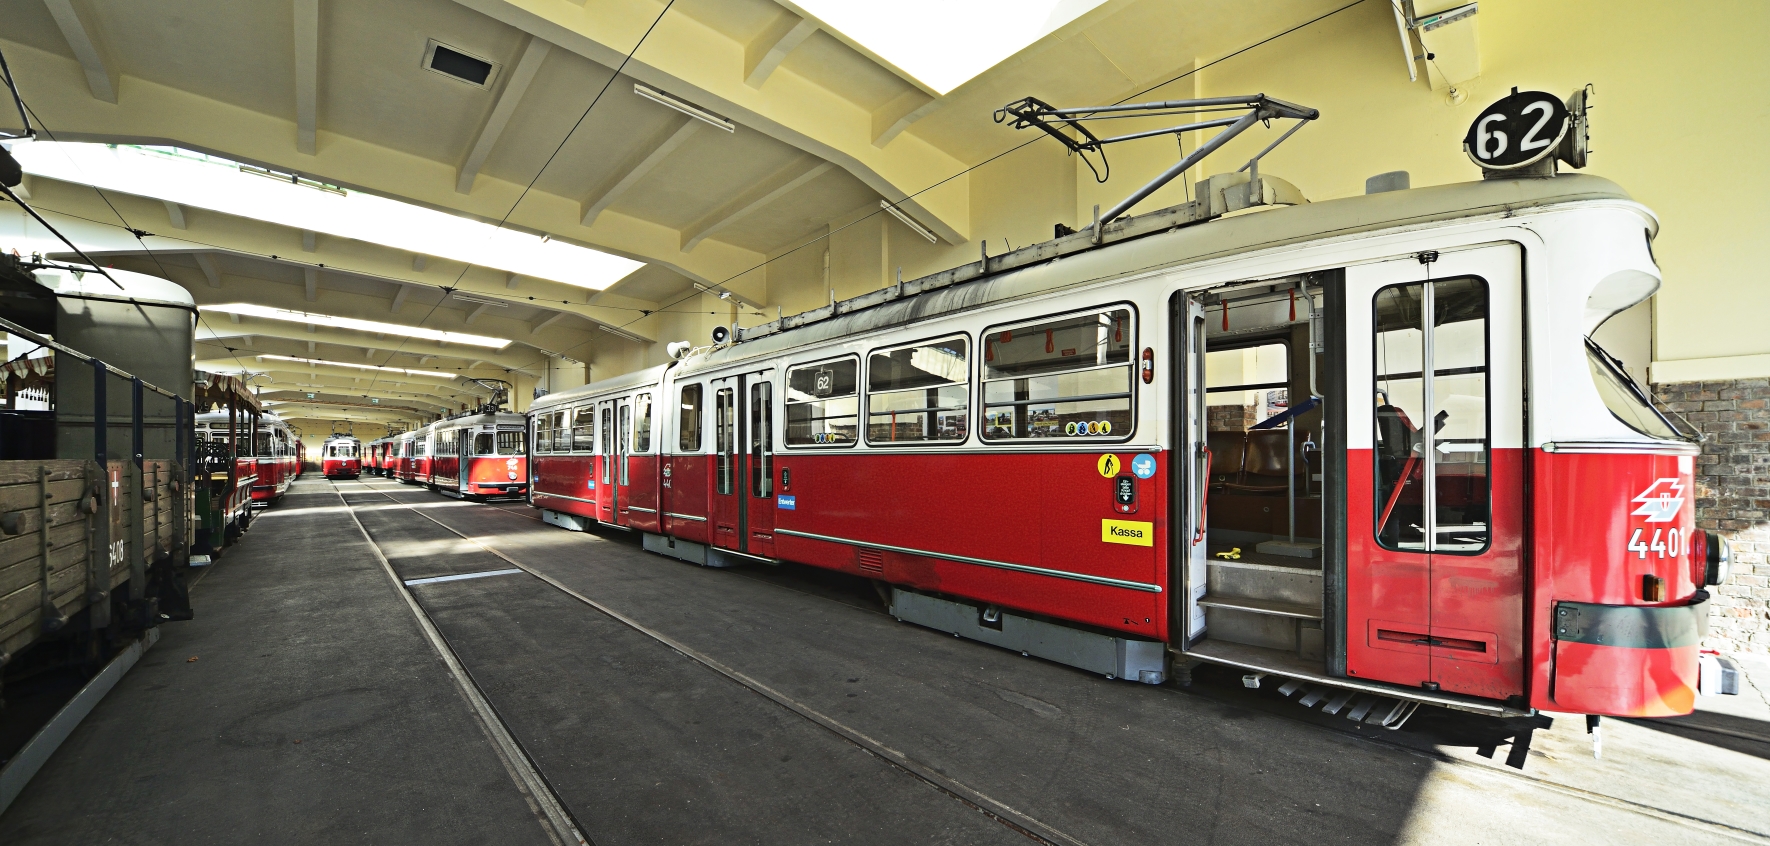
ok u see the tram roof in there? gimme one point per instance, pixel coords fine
(1044, 268)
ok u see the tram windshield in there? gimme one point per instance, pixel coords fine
(1624, 397)
(512, 442)
(341, 449)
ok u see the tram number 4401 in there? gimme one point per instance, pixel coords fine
(1665, 543)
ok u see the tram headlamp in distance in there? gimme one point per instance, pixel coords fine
(269, 313)
(1711, 559)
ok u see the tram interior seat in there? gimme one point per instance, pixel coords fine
(1248, 488)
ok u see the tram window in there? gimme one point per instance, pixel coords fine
(1247, 385)
(688, 420)
(510, 442)
(622, 444)
(543, 433)
(823, 403)
(1060, 377)
(583, 426)
(485, 443)
(642, 423)
(918, 393)
(1431, 440)
(725, 434)
(762, 439)
(262, 443)
(607, 439)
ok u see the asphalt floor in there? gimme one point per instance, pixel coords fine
(662, 702)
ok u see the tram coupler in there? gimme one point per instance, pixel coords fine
(1597, 732)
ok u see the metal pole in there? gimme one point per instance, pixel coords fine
(1168, 175)
(1290, 476)
(101, 418)
(135, 420)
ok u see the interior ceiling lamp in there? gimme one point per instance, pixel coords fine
(683, 106)
(375, 367)
(268, 313)
(918, 228)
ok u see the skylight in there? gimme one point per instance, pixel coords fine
(944, 43)
(269, 313)
(207, 182)
(376, 367)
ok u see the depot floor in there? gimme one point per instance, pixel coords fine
(656, 702)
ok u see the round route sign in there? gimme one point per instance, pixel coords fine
(1517, 131)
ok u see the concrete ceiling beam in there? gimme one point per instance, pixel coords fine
(160, 114)
(775, 186)
(765, 52)
(896, 115)
(400, 293)
(650, 155)
(541, 326)
(690, 59)
(175, 215)
(307, 75)
(516, 84)
(101, 76)
(311, 281)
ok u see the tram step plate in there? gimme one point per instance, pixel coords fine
(1114, 657)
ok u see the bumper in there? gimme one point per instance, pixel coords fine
(1628, 660)
(509, 488)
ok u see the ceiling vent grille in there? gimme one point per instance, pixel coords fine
(458, 64)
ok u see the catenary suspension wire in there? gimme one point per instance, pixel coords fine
(996, 810)
(1013, 149)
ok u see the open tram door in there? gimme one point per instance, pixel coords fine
(742, 498)
(1435, 471)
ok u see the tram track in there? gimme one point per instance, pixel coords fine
(1003, 812)
(991, 808)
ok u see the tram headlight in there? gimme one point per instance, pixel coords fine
(1711, 559)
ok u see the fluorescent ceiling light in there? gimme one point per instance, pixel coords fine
(268, 313)
(911, 222)
(944, 43)
(683, 106)
(206, 182)
(377, 367)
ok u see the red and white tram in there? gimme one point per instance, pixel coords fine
(376, 455)
(213, 431)
(277, 463)
(479, 455)
(341, 457)
(1114, 453)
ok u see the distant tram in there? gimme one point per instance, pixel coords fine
(1294, 442)
(478, 455)
(341, 457)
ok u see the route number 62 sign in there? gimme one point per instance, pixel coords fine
(1518, 131)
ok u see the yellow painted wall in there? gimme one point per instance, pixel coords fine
(1678, 117)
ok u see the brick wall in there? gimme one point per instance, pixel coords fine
(1733, 498)
(1229, 418)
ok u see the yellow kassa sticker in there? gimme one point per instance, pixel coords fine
(1129, 532)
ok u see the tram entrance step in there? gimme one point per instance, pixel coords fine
(1113, 657)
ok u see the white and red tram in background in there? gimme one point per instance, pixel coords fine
(270, 464)
(341, 457)
(1091, 452)
(478, 455)
(377, 454)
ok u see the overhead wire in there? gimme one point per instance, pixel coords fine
(1008, 151)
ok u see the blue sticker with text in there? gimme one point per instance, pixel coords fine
(592, 484)
(1143, 466)
(785, 503)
